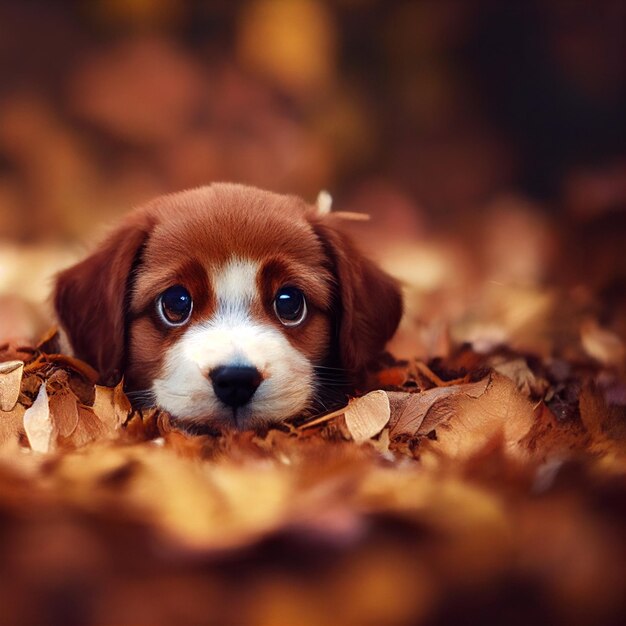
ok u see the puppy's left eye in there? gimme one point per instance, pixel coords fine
(290, 306)
(174, 305)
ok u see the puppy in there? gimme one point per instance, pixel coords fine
(228, 305)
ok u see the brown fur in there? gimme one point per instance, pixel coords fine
(106, 302)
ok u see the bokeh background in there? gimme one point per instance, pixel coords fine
(485, 139)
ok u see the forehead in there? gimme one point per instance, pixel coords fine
(222, 241)
(213, 224)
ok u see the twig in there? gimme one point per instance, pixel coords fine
(433, 378)
(323, 418)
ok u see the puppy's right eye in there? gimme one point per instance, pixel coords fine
(174, 305)
(290, 306)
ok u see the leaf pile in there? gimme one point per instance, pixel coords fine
(474, 488)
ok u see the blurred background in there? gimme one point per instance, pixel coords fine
(485, 139)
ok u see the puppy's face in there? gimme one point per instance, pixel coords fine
(230, 310)
(227, 305)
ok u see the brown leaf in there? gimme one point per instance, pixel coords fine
(10, 381)
(467, 423)
(111, 406)
(549, 437)
(143, 425)
(518, 371)
(64, 411)
(602, 345)
(64, 360)
(83, 389)
(38, 425)
(30, 387)
(367, 416)
(601, 420)
(89, 428)
(409, 410)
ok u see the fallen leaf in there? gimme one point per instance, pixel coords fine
(10, 381)
(89, 428)
(30, 386)
(11, 424)
(466, 423)
(111, 406)
(368, 415)
(518, 371)
(37, 423)
(64, 411)
(551, 438)
(409, 410)
(603, 421)
(84, 369)
(381, 443)
(602, 344)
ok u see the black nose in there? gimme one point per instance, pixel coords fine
(235, 385)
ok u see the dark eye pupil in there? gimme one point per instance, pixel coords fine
(289, 303)
(176, 304)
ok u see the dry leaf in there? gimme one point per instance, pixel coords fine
(518, 371)
(89, 428)
(64, 360)
(367, 416)
(37, 423)
(601, 420)
(551, 438)
(30, 387)
(10, 381)
(602, 345)
(409, 410)
(11, 424)
(467, 423)
(111, 406)
(64, 411)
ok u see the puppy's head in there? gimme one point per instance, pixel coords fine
(229, 305)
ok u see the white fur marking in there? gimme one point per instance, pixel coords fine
(235, 284)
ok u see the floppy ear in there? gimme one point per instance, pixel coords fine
(369, 301)
(91, 298)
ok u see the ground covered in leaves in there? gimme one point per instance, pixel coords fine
(480, 488)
